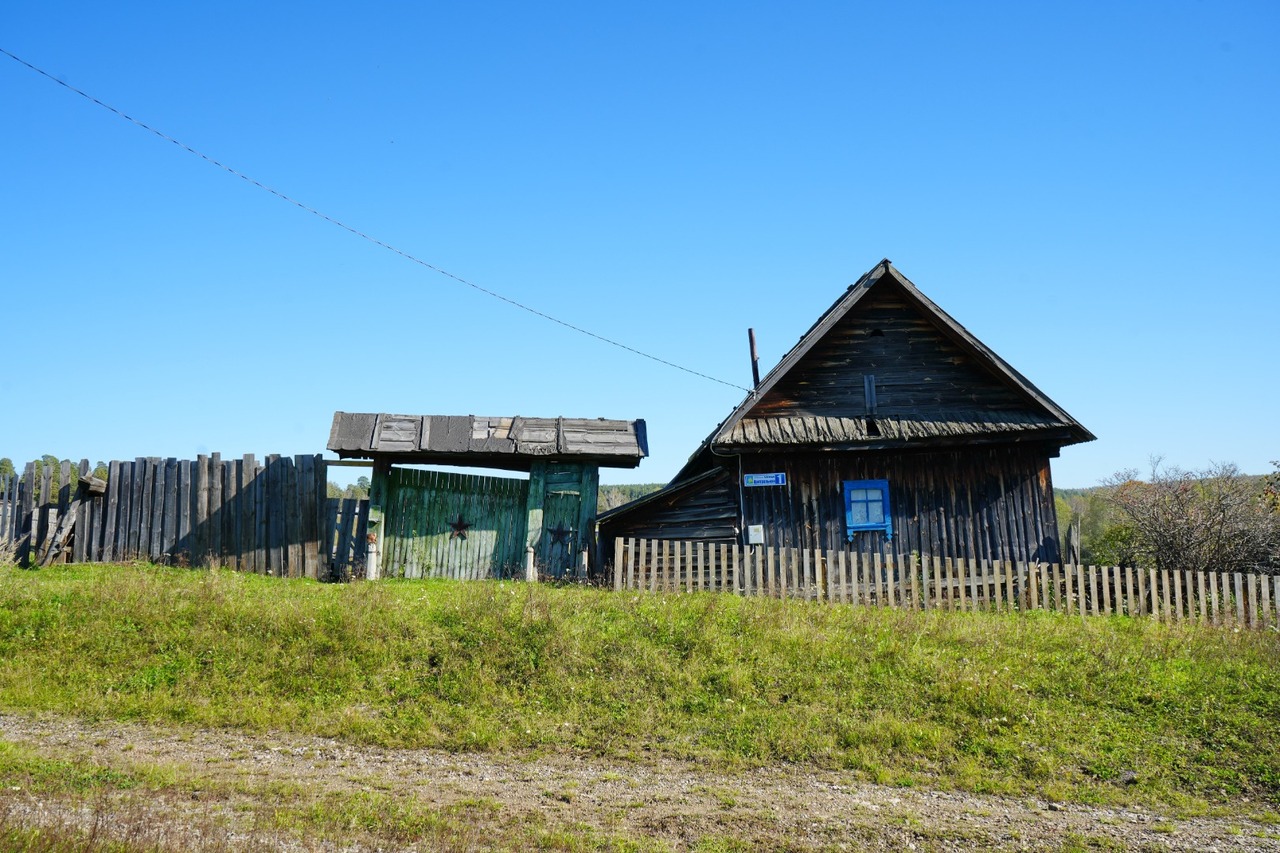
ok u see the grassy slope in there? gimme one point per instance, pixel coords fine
(986, 702)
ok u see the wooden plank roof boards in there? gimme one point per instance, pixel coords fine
(511, 443)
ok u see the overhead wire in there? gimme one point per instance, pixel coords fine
(364, 236)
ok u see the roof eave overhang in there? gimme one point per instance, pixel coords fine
(1057, 437)
(501, 461)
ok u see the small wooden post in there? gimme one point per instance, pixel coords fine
(1275, 582)
(1239, 599)
(1167, 611)
(1066, 593)
(1265, 597)
(1177, 595)
(1251, 583)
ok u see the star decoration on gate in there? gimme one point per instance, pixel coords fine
(459, 528)
(560, 534)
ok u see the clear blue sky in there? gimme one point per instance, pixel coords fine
(1093, 189)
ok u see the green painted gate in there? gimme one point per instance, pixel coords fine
(444, 524)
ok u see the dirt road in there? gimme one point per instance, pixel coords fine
(231, 790)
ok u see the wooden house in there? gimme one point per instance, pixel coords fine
(437, 523)
(887, 428)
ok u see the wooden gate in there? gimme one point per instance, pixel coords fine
(559, 544)
(444, 524)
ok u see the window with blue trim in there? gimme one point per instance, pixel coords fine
(866, 507)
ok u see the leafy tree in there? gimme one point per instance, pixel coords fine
(359, 491)
(54, 464)
(1213, 519)
(6, 467)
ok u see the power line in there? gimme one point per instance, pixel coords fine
(357, 232)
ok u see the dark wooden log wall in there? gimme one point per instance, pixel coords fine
(975, 503)
(993, 503)
(707, 512)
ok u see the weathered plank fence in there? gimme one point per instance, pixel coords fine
(661, 565)
(268, 517)
(345, 540)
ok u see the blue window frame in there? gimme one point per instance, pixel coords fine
(866, 507)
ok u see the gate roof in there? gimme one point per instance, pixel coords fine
(512, 443)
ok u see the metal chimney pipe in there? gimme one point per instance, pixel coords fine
(755, 358)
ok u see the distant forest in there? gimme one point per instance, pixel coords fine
(611, 496)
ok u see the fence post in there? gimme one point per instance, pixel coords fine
(618, 556)
(1265, 595)
(913, 567)
(1275, 582)
(1239, 600)
(530, 571)
(1253, 600)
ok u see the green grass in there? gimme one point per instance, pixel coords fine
(1016, 704)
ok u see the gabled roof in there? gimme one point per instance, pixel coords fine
(509, 443)
(1031, 414)
(1006, 408)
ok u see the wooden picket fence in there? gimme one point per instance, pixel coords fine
(662, 565)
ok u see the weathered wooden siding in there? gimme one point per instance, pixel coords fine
(975, 503)
(971, 503)
(918, 369)
(419, 540)
(705, 511)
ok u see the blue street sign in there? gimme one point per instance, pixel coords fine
(764, 479)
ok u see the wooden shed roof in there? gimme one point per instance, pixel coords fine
(510, 443)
